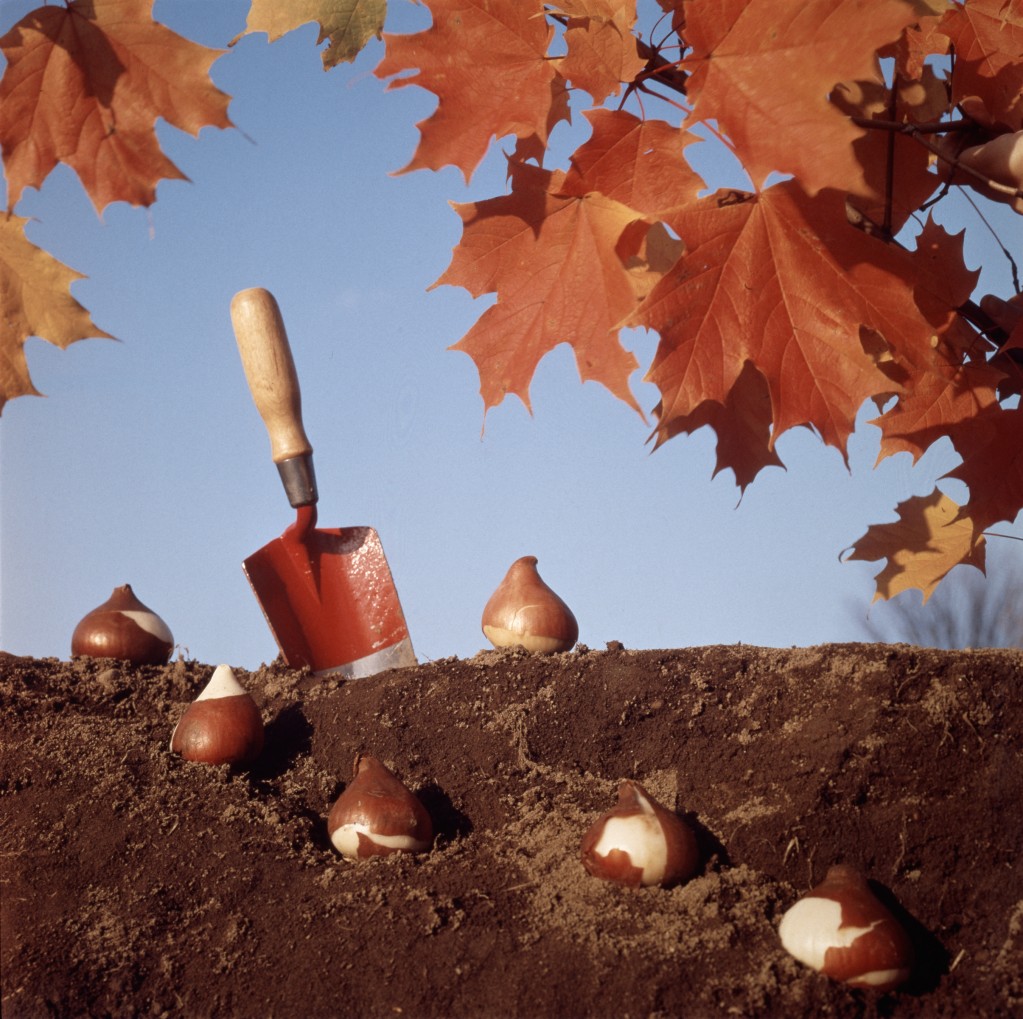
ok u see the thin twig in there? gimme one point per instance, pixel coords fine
(908, 127)
(889, 170)
(1014, 268)
(666, 72)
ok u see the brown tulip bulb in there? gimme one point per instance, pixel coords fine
(122, 627)
(640, 842)
(377, 815)
(222, 725)
(525, 612)
(841, 929)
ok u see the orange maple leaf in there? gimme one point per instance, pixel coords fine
(948, 381)
(348, 24)
(742, 425)
(988, 40)
(930, 537)
(553, 261)
(943, 391)
(991, 445)
(764, 70)
(85, 84)
(35, 300)
(920, 42)
(486, 61)
(602, 51)
(782, 280)
(639, 163)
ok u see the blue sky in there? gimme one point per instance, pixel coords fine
(147, 463)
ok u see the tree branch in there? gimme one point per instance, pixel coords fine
(920, 132)
(985, 325)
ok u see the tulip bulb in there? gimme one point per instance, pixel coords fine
(377, 815)
(525, 612)
(640, 842)
(122, 627)
(841, 929)
(222, 725)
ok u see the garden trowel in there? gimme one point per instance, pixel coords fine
(328, 595)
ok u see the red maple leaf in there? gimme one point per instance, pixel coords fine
(991, 445)
(764, 70)
(783, 281)
(742, 425)
(639, 163)
(85, 84)
(948, 381)
(602, 51)
(920, 43)
(945, 387)
(554, 262)
(988, 40)
(486, 61)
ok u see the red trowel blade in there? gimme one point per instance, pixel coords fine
(330, 600)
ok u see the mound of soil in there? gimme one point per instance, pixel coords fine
(137, 884)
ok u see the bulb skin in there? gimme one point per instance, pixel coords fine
(377, 815)
(640, 843)
(123, 628)
(841, 929)
(524, 612)
(222, 725)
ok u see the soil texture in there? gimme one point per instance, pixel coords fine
(135, 883)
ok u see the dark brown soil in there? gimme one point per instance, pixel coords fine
(136, 884)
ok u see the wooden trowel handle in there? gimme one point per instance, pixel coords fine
(273, 382)
(270, 370)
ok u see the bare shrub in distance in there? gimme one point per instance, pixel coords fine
(968, 610)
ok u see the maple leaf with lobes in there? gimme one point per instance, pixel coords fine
(639, 163)
(930, 537)
(602, 51)
(948, 381)
(764, 70)
(35, 300)
(554, 261)
(742, 425)
(988, 40)
(486, 61)
(782, 280)
(991, 445)
(348, 24)
(85, 84)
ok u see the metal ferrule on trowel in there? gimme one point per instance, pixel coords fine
(299, 479)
